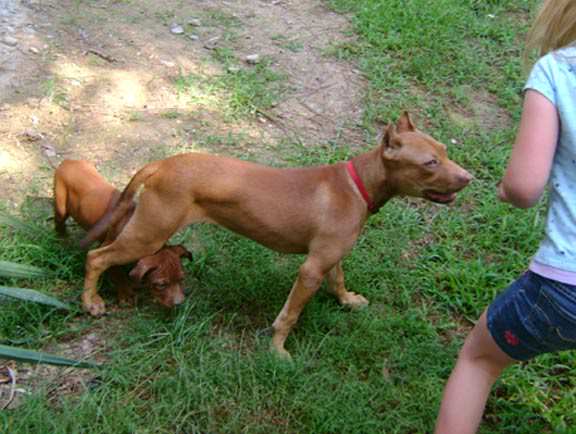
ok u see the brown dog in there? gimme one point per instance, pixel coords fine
(82, 193)
(318, 211)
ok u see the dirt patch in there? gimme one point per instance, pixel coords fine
(99, 80)
(481, 111)
(17, 37)
(296, 34)
(20, 380)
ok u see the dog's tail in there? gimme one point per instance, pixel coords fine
(120, 211)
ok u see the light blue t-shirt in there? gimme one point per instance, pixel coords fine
(554, 76)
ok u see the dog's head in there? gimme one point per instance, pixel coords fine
(163, 274)
(417, 165)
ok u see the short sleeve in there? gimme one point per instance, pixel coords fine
(541, 78)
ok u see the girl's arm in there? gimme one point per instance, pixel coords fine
(529, 166)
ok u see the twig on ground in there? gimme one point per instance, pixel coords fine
(12, 375)
(106, 57)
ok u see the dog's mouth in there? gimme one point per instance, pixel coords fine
(438, 197)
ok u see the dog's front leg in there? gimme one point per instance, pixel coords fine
(309, 279)
(121, 251)
(336, 286)
(91, 301)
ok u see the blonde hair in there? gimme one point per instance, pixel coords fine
(554, 27)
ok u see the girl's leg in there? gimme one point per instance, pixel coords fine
(479, 364)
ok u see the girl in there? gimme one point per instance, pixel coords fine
(537, 313)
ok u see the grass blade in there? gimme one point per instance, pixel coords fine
(26, 294)
(13, 222)
(12, 269)
(30, 356)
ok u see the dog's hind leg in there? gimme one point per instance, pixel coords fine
(336, 286)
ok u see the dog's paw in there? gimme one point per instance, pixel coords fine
(354, 301)
(281, 353)
(95, 306)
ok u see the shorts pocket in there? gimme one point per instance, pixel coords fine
(559, 312)
(565, 292)
(567, 335)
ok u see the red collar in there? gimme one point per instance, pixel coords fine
(361, 187)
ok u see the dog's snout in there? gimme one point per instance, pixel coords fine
(170, 297)
(464, 177)
(179, 298)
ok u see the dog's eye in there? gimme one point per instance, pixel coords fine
(431, 163)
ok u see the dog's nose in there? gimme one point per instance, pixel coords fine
(464, 177)
(179, 298)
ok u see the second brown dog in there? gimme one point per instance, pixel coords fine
(82, 193)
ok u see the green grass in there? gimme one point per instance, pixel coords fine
(241, 91)
(428, 270)
(285, 42)
(55, 93)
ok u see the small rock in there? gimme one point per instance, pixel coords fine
(33, 50)
(48, 150)
(252, 59)
(193, 37)
(10, 41)
(386, 373)
(168, 63)
(176, 29)
(195, 22)
(92, 337)
(212, 43)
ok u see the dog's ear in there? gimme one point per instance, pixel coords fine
(388, 134)
(180, 250)
(405, 123)
(389, 143)
(143, 266)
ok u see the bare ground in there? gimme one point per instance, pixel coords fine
(95, 80)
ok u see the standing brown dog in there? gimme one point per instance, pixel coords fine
(82, 193)
(318, 211)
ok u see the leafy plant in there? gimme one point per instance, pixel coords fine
(22, 271)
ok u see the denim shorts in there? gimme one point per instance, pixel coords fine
(534, 315)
